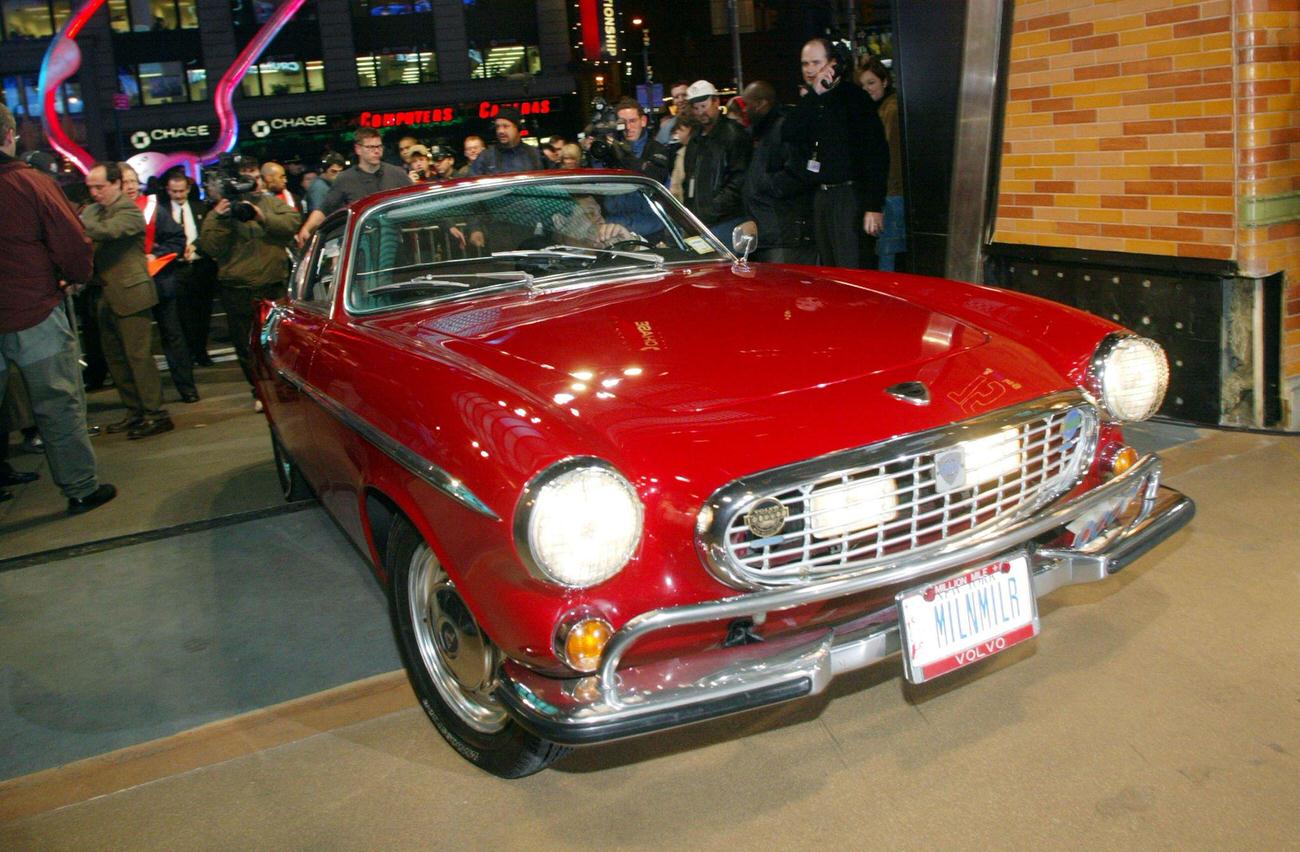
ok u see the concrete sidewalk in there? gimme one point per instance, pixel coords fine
(217, 462)
(1156, 710)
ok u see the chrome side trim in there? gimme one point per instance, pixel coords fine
(680, 691)
(391, 447)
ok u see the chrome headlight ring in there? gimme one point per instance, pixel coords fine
(577, 523)
(1131, 374)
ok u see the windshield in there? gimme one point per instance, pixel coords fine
(525, 233)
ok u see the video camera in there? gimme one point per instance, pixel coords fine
(236, 187)
(606, 132)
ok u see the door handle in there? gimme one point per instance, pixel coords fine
(270, 327)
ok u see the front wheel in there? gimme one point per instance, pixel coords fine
(452, 664)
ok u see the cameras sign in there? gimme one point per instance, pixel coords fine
(142, 139)
(264, 127)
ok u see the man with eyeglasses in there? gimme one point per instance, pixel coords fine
(472, 148)
(370, 175)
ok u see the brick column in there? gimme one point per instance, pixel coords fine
(1268, 145)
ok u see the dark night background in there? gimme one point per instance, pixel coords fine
(683, 45)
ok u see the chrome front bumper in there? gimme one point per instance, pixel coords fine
(638, 700)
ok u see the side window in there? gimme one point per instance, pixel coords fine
(316, 279)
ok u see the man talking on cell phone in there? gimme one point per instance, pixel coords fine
(844, 153)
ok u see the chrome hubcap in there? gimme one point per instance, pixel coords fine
(458, 657)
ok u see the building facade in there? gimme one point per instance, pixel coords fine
(149, 68)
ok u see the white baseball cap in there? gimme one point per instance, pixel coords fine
(699, 90)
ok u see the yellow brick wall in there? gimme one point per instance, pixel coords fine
(1140, 125)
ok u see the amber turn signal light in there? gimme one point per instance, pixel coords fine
(1123, 459)
(583, 641)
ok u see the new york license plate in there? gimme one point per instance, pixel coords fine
(964, 618)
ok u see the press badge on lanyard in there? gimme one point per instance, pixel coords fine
(813, 165)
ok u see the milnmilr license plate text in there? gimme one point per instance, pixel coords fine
(966, 617)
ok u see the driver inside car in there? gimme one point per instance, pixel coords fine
(585, 226)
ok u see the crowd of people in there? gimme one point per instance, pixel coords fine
(808, 181)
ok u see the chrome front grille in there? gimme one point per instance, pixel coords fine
(845, 513)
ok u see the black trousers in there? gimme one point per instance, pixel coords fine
(167, 313)
(92, 351)
(837, 222)
(241, 306)
(786, 254)
(196, 285)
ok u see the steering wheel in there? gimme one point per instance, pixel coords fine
(630, 243)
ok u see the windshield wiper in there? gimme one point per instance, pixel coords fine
(561, 251)
(430, 282)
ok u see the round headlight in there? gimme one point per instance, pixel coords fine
(578, 523)
(1132, 373)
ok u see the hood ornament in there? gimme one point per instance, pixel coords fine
(915, 393)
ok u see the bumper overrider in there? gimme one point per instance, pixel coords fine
(1114, 524)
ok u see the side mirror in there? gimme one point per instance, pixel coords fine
(742, 243)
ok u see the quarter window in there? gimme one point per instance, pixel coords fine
(317, 278)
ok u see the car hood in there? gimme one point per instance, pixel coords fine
(695, 341)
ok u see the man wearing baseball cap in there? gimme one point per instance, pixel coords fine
(510, 154)
(716, 161)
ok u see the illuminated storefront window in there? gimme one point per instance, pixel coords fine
(395, 69)
(502, 38)
(291, 63)
(137, 16)
(284, 78)
(23, 98)
(155, 83)
(30, 19)
(394, 41)
(384, 8)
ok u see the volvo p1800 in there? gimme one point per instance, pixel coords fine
(616, 478)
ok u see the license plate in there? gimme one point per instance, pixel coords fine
(964, 618)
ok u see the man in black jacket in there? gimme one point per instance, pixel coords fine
(196, 275)
(716, 160)
(846, 157)
(777, 201)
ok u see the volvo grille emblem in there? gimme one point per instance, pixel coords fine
(949, 470)
(914, 392)
(766, 517)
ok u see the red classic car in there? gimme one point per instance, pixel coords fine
(616, 479)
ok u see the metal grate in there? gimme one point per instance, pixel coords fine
(877, 510)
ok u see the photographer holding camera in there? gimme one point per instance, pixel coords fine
(247, 233)
(618, 138)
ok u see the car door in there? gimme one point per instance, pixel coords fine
(291, 335)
